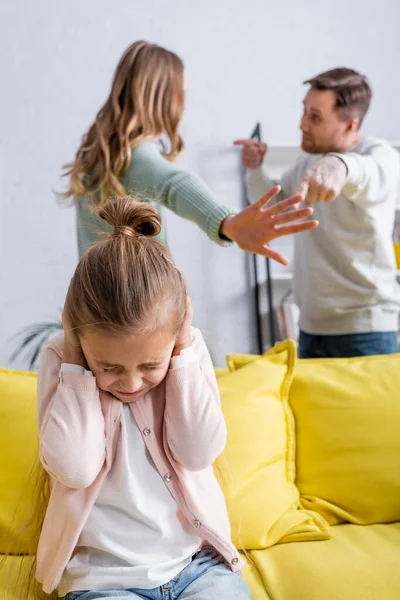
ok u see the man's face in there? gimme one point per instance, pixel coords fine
(323, 127)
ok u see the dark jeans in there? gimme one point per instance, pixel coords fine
(347, 346)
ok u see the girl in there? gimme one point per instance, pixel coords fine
(130, 425)
(120, 154)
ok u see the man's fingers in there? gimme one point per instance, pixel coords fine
(245, 143)
(296, 227)
(313, 195)
(267, 197)
(323, 196)
(302, 190)
(250, 152)
(262, 148)
(330, 195)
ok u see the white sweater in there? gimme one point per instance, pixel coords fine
(344, 272)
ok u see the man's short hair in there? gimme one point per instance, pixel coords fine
(352, 90)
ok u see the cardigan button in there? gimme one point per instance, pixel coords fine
(167, 477)
(235, 560)
(146, 431)
(196, 523)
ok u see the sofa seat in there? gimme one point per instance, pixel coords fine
(357, 563)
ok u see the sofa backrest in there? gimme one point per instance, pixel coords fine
(347, 415)
(347, 422)
(18, 456)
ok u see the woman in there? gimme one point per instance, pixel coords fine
(121, 154)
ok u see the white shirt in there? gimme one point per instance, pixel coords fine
(135, 536)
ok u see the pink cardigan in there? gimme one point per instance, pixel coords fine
(182, 426)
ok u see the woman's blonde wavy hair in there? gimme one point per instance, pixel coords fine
(145, 102)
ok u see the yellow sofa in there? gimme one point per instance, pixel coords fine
(311, 473)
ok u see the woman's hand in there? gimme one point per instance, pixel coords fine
(257, 225)
(72, 353)
(183, 338)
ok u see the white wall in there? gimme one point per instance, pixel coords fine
(245, 61)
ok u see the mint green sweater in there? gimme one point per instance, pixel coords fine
(153, 178)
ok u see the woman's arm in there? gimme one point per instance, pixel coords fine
(152, 176)
(187, 195)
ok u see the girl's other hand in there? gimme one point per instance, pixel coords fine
(183, 338)
(72, 353)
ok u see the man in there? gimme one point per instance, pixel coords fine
(344, 275)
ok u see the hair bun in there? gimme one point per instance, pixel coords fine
(130, 216)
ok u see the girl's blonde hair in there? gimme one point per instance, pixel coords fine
(125, 283)
(27, 521)
(146, 101)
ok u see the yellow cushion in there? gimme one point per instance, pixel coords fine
(237, 361)
(358, 563)
(257, 469)
(220, 372)
(18, 452)
(347, 414)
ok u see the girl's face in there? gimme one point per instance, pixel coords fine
(128, 365)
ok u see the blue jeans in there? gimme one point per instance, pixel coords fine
(207, 577)
(347, 346)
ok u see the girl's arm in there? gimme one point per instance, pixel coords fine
(195, 429)
(71, 422)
